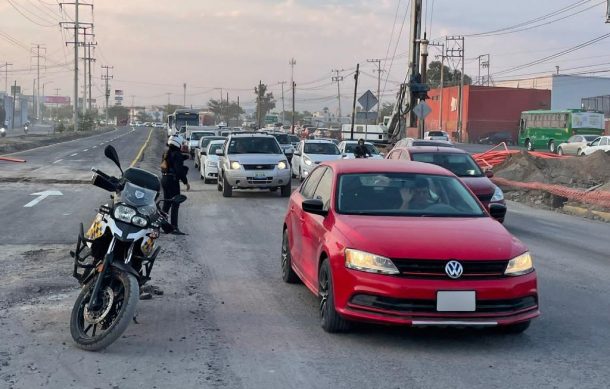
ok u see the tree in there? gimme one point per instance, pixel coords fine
(119, 112)
(451, 77)
(168, 109)
(224, 110)
(264, 101)
(144, 116)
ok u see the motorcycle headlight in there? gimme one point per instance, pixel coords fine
(520, 265)
(139, 221)
(498, 194)
(124, 213)
(235, 165)
(282, 165)
(147, 210)
(363, 261)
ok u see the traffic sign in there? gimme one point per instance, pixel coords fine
(368, 100)
(422, 110)
(15, 90)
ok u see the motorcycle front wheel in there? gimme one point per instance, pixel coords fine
(96, 330)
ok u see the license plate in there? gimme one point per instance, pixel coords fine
(456, 301)
(260, 175)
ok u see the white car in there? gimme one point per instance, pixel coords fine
(208, 161)
(310, 153)
(347, 148)
(193, 140)
(601, 143)
(437, 135)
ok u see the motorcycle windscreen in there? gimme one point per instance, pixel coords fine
(137, 196)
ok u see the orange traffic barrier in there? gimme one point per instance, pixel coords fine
(492, 157)
(12, 159)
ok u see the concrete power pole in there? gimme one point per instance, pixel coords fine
(355, 96)
(338, 80)
(424, 78)
(283, 110)
(258, 105)
(36, 100)
(294, 85)
(414, 38)
(379, 71)
(184, 95)
(455, 50)
(106, 78)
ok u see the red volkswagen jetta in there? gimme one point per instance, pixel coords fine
(404, 243)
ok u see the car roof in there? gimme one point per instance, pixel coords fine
(217, 141)
(355, 141)
(384, 166)
(251, 135)
(318, 141)
(431, 149)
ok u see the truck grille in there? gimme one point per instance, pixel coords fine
(424, 268)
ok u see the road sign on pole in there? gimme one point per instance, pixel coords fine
(368, 101)
(422, 110)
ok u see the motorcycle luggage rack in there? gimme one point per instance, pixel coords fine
(81, 256)
(147, 265)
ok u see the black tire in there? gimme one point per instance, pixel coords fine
(287, 189)
(330, 320)
(559, 151)
(127, 298)
(517, 328)
(552, 147)
(227, 190)
(528, 145)
(288, 275)
(218, 184)
(300, 174)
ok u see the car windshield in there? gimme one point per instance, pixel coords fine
(430, 143)
(254, 145)
(205, 141)
(436, 133)
(462, 165)
(405, 194)
(321, 148)
(351, 148)
(199, 135)
(590, 138)
(282, 139)
(214, 147)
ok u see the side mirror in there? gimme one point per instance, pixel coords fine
(220, 153)
(315, 206)
(110, 153)
(497, 211)
(489, 173)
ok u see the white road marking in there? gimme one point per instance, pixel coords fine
(94, 147)
(74, 155)
(58, 161)
(85, 150)
(42, 196)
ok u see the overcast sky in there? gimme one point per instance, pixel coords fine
(156, 46)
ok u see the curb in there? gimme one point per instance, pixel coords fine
(584, 212)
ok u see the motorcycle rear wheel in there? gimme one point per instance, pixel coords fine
(95, 331)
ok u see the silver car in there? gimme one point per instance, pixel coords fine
(310, 153)
(576, 144)
(253, 161)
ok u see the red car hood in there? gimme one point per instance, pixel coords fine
(479, 185)
(480, 238)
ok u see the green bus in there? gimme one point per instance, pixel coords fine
(545, 130)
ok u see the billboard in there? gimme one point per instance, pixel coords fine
(588, 120)
(118, 92)
(63, 100)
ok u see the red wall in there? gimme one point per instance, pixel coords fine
(486, 109)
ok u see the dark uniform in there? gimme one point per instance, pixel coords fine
(361, 151)
(176, 172)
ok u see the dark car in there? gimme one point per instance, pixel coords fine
(494, 138)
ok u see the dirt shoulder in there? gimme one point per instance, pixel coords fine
(28, 142)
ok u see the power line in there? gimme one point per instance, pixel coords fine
(29, 18)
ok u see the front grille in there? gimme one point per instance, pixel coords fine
(429, 306)
(485, 198)
(259, 167)
(434, 268)
(264, 180)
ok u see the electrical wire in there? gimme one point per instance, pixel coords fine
(29, 18)
(404, 20)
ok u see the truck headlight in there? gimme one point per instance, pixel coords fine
(235, 165)
(498, 194)
(124, 213)
(363, 261)
(520, 265)
(282, 165)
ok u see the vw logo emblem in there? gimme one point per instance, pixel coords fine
(454, 269)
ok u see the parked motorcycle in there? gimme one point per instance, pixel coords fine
(115, 257)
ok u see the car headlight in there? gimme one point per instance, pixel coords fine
(363, 261)
(139, 221)
(235, 165)
(308, 161)
(498, 194)
(124, 213)
(520, 265)
(282, 165)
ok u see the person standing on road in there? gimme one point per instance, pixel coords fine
(173, 171)
(361, 150)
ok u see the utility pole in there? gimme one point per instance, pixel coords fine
(414, 38)
(5, 66)
(90, 59)
(86, 63)
(76, 26)
(14, 104)
(36, 100)
(184, 95)
(106, 78)
(421, 123)
(338, 80)
(258, 105)
(379, 71)
(483, 64)
(354, 105)
(455, 50)
(294, 85)
(292, 62)
(283, 116)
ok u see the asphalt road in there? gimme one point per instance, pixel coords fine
(227, 320)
